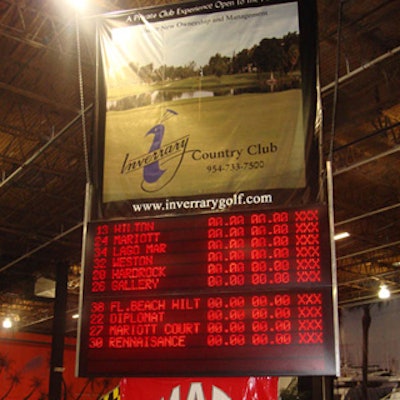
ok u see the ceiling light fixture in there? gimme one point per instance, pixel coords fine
(342, 235)
(384, 292)
(396, 264)
(7, 323)
(75, 316)
(78, 5)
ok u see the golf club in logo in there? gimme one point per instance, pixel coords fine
(162, 161)
(152, 173)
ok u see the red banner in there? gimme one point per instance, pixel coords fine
(240, 388)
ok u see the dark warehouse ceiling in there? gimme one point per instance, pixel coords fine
(42, 157)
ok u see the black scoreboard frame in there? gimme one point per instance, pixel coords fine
(187, 318)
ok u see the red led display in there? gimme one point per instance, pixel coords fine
(220, 294)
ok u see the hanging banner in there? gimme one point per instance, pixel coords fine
(203, 100)
(246, 388)
(206, 107)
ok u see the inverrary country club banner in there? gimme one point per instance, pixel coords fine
(201, 99)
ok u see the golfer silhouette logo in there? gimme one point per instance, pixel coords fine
(156, 175)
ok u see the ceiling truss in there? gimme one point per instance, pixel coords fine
(42, 150)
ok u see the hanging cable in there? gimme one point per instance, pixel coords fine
(336, 82)
(82, 103)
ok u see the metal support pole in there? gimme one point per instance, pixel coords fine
(57, 344)
(316, 387)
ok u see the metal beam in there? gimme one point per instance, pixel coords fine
(369, 214)
(36, 97)
(370, 250)
(330, 86)
(42, 246)
(394, 150)
(42, 149)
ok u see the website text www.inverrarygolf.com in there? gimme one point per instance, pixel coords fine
(213, 204)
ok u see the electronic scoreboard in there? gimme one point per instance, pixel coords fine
(233, 293)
